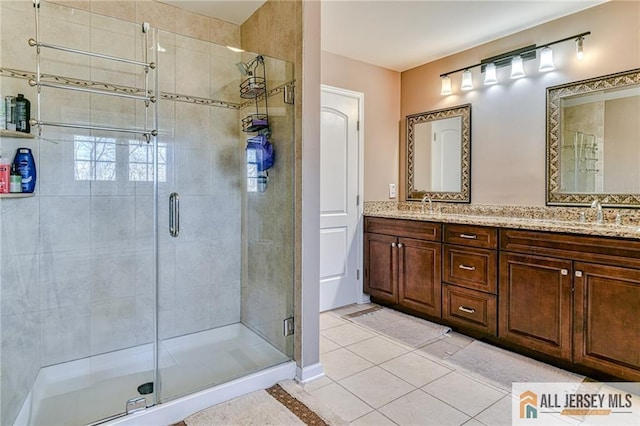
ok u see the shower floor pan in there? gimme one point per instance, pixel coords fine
(86, 390)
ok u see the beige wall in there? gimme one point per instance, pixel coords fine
(381, 88)
(163, 17)
(508, 119)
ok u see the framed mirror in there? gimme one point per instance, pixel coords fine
(439, 155)
(593, 141)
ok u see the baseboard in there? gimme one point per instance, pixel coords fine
(309, 373)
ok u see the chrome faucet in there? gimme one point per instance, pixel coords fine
(427, 198)
(596, 205)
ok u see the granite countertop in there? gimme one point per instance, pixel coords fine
(550, 219)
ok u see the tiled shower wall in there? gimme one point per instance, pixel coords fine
(77, 259)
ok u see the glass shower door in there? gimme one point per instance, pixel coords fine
(216, 323)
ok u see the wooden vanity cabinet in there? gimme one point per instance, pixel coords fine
(573, 296)
(469, 292)
(402, 261)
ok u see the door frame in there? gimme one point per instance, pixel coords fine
(359, 234)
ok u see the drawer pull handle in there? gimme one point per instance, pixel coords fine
(467, 310)
(393, 245)
(469, 236)
(400, 245)
(467, 268)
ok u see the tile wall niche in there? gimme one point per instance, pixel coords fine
(77, 259)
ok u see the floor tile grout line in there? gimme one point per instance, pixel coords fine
(376, 364)
(506, 396)
(445, 402)
(374, 411)
(357, 397)
(455, 408)
(369, 405)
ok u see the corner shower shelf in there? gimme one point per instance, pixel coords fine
(17, 195)
(15, 134)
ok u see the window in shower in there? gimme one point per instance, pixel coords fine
(141, 162)
(94, 158)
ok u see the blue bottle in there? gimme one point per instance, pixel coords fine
(26, 166)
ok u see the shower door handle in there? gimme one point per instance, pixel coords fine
(174, 214)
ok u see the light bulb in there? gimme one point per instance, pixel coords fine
(579, 48)
(546, 60)
(517, 69)
(467, 82)
(490, 74)
(446, 86)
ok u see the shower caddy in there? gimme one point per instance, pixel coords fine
(147, 96)
(252, 88)
(259, 150)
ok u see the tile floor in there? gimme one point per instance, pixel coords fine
(371, 379)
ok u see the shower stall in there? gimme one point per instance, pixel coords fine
(154, 261)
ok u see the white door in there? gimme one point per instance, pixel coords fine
(446, 166)
(340, 236)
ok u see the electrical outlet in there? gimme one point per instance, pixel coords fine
(392, 190)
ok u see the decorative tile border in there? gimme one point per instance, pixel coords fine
(27, 75)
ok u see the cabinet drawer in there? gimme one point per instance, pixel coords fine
(404, 228)
(470, 309)
(471, 267)
(469, 235)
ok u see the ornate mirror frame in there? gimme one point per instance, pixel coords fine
(464, 195)
(555, 95)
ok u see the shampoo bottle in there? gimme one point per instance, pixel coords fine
(23, 114)
(26, 165)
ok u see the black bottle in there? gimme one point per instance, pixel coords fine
(23, 114)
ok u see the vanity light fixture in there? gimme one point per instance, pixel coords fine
(580, 48)
(517, 68)
(446, 86)
(546, 60)
(515, 59)
(467, 81)
(490, 74)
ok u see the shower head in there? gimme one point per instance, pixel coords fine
(247, 68)
(243, 68)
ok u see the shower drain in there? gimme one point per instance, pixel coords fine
(145, 388)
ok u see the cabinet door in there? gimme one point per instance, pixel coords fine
(380, 272)
(419, 277)
(607, 320)
(535, 303)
